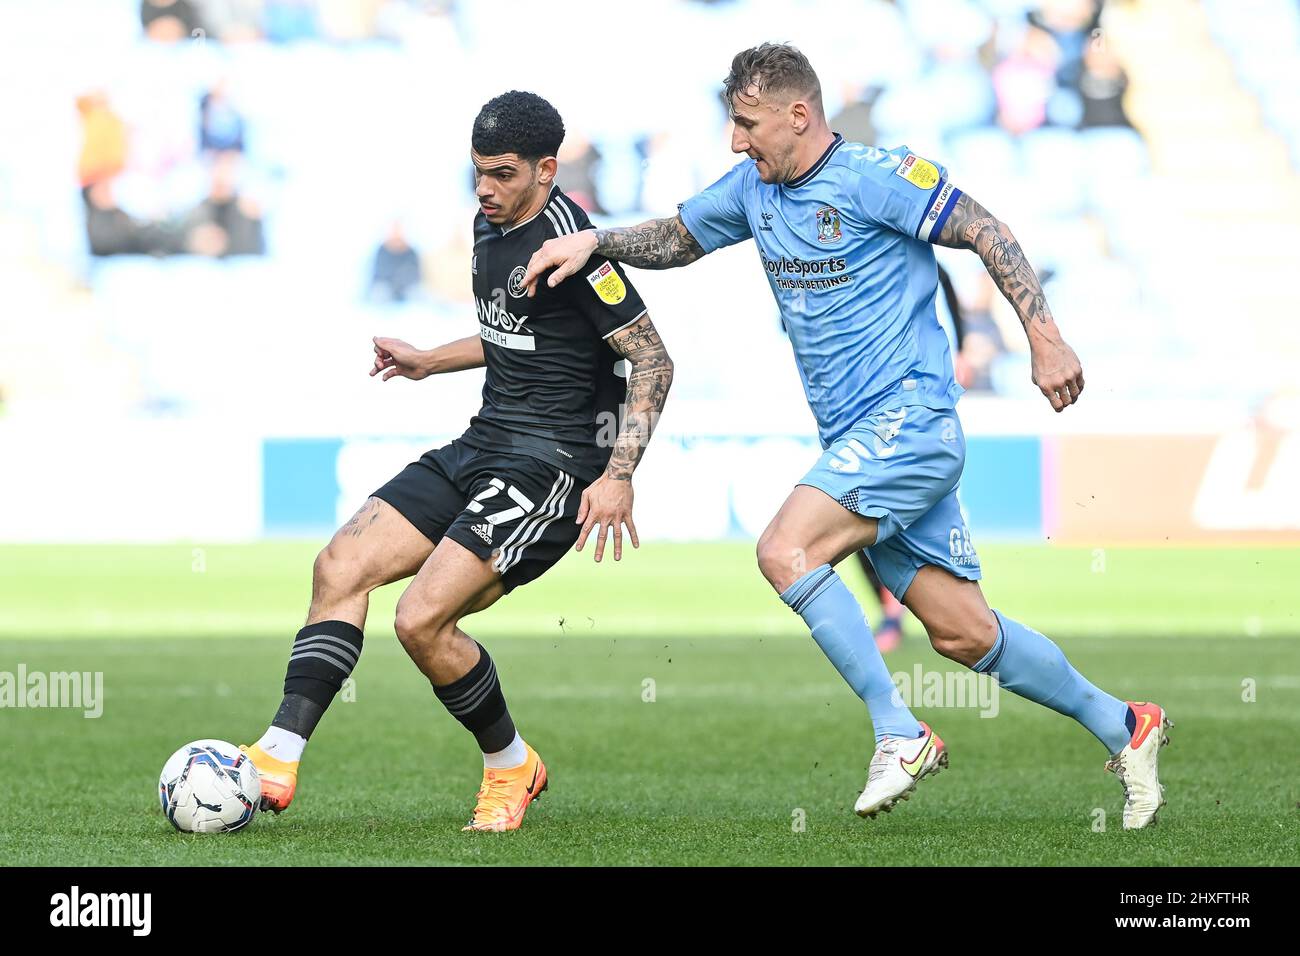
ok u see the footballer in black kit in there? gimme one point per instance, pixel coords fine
(576, 378)
(552, 389)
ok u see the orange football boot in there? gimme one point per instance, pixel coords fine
(506, 794)
(279, 778)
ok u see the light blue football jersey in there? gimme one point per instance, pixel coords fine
(846, 251)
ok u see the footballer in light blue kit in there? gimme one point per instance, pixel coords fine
(843, 233)
(845, 248)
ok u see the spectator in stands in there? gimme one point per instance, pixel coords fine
(1101, 87)
(980, 342)
(225, 223)
(1071, 24)
(103, 140)
(221, 128)
(167, 21)
(232, 21)
(579, 163)
(1025, 81)
(395, 275)
(111, 231)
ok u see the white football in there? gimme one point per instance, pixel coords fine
(209, 786)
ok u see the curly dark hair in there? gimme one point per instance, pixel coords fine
(771, 68)
(520, 123)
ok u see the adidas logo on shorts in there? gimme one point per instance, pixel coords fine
(483, 530)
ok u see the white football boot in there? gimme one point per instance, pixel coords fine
(1135, 765)
(895, 769)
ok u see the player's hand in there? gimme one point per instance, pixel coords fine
(1057, 373)
(395, 357)
(606, 504)
(566, 254)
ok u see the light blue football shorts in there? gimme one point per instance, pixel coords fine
(903, 466)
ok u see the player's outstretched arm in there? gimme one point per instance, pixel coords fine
(1056, 369)
(655, 244)
(395, 357)
(607, 502)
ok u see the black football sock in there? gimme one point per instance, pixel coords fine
(323, 657)
(298, 715)
(477, 702)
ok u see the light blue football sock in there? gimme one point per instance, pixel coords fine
(1027, 663)
(841, 631)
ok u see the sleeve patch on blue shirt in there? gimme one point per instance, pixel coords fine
(921, 173)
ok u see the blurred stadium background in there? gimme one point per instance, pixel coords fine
(208, 207)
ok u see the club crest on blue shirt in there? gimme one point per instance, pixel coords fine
(828, 224)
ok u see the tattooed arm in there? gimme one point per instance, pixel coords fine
(647, 390)
(655, 244)
(607, 502)
(1056, 369)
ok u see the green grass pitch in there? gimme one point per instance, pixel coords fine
(751, 752)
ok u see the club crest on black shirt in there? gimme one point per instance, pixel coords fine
(552, 380)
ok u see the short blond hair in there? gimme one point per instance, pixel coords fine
(771, 68)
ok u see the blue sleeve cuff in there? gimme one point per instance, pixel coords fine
(696, 227)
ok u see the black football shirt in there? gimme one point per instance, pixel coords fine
(554, 385)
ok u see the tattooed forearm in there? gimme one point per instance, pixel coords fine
(972, 227)
(656, 244)
(647, 390)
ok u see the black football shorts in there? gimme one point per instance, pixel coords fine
(518, 511)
